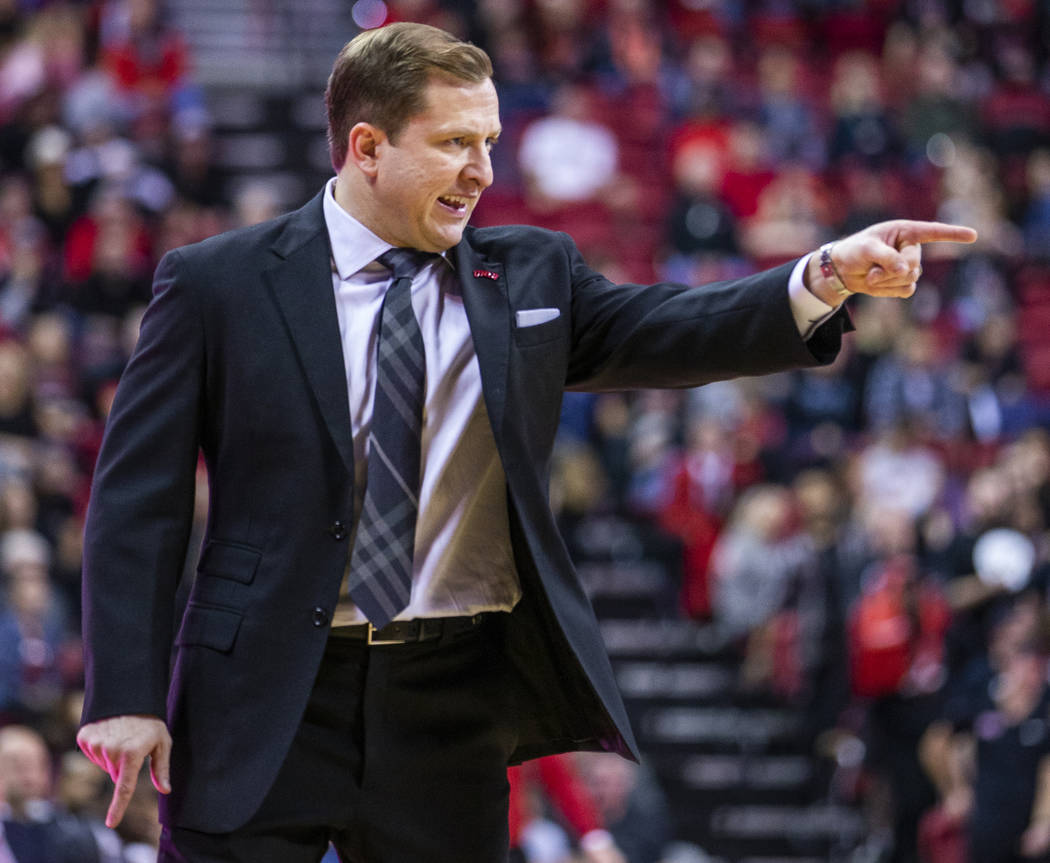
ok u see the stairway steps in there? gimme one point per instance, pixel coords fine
(628, 638)
(697, 682)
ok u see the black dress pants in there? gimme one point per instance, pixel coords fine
(401, 757)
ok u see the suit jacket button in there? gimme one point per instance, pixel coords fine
(320, 617)
(338, 530)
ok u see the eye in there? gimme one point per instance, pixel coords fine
(490, 143)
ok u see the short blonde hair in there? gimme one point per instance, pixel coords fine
(380, 77)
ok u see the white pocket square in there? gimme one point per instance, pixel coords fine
(532, 317)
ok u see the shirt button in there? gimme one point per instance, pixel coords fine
(338, 530)
(320, 617)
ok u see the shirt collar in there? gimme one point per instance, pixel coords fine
(354, 247)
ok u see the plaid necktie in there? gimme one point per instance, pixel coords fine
(381, 563)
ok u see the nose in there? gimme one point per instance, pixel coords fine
(479, 167)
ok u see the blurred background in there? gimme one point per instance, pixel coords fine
(824, 592)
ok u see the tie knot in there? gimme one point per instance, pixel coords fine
(404, 263)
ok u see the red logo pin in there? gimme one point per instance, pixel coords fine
(486, 274)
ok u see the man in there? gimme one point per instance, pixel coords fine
(36, 831)
(290, 728)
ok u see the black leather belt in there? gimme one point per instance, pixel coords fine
(408, 631)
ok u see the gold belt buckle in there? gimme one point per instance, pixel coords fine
(380, 641)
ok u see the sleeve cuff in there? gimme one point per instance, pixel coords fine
(808, 310)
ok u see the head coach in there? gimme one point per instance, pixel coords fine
(384, 615)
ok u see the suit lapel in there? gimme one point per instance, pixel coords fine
(488, 311)
(301, 285)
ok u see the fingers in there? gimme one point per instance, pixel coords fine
(124, 786)
(873, 264)
(160, 766)
(896, 272)
(120, 745)
(934, 232)
(881, 260)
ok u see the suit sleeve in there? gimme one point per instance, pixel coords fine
(671, 335)
(140, 512)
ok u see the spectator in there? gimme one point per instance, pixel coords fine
(36, 830)
(862, 129)
(995, 771)
(16, 408)
(913, 619)
(115, 273)
(700, 223)
(709, 87)
(1015, 114)
(791, 215)
(898, 473)
(192, 166)
(631, 803)
(145, 58)
(823, 410)
(971, 189)
(748, 172)
(1036, 217)
(53, 199)
(993, 380)
(936, 107)
(759, 564)
(80, 791)
(790, 125)
(913, 385)
(554, 779)
(569, 156)
(38, 654)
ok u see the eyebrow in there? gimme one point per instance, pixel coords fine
(462, 132)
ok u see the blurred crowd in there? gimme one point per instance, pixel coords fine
(873, 536)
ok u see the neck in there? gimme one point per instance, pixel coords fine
(343, 196)
(355, 201)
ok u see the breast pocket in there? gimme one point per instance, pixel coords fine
(538, 334)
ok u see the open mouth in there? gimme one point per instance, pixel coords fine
(455, 204)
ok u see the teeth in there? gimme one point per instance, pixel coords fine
(454, 200)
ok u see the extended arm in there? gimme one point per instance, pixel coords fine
(665, 335)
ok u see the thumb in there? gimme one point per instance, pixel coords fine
(160, 765)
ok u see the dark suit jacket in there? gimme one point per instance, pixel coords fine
(239, 355)
(59, 839)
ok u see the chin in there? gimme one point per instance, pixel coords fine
(446, 240)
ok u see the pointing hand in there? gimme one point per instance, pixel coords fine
(883, 260)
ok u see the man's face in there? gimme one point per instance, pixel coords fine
(427, 183)
(26, 768)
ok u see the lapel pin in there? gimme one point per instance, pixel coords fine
(486, 274)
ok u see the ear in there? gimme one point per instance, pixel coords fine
(363, 146)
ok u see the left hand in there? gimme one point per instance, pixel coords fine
(883, 260)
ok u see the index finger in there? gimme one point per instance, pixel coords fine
(936, 232)
(124, 787)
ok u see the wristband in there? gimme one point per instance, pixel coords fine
(830, 272)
